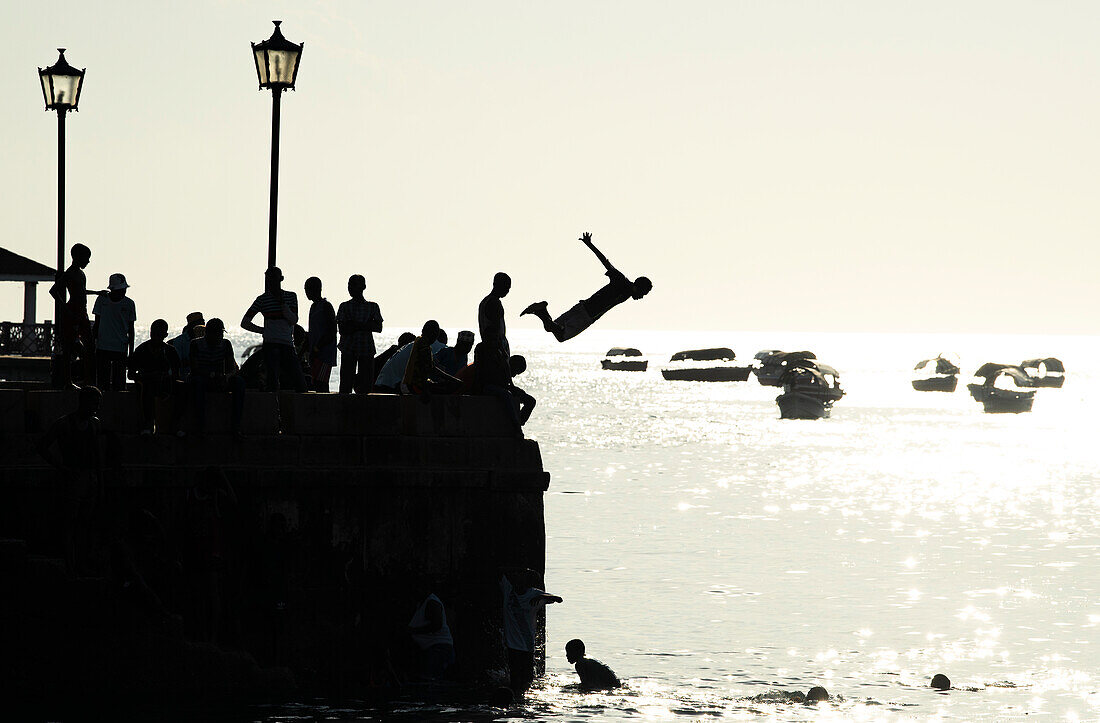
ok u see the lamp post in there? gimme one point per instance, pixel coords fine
(61, 85)
(276, 68)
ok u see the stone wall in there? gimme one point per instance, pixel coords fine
(318, 541)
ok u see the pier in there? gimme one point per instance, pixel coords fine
(339, 519)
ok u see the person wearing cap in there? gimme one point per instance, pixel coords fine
(115, 315)
(453, 358)
(357, 320)
(280, 312)
(194, 328)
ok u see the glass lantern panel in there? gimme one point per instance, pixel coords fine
(261, 65)
(283, 64)
(47, 91)
(66, 89)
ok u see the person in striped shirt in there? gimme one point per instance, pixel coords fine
(280, 312)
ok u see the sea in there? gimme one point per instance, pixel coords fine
(719, 558)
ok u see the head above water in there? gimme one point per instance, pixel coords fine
(430, 329)
(941, 682)
(313, 288)
(642, 286)
(158, 330)
(502, 282)
(574, 650)
(356, 284)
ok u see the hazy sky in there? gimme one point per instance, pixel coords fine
(873, 165)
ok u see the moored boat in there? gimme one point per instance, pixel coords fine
(1002, 388)
(936, 375)
(772, 364)
(809, 390)
(705, 365)
(1047, 372)
(624, 359)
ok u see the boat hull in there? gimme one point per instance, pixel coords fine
(1048, 382)
(1002, 401)
(714, 374)
(625, 366)
(796, 405)
(936, 384)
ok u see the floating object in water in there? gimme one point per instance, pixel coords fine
(936, 375)
(941, 682)
(817, 693)
(1047, 372)
(624, 359)
(809, 389)
(1002, 388)
(692, 366)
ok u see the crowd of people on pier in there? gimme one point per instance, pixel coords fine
(200, 360)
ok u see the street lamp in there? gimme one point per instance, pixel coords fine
(61, 86)
(276, 68)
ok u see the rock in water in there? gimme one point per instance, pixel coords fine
(941, 682)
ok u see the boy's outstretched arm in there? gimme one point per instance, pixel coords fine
(586, 237)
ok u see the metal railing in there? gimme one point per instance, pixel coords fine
(20, 339)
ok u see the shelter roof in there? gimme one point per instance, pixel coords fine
(14, 267)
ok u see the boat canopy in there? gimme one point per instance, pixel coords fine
(991, 370)
(1051, 364)
(943, 366)
(717, 354)
(623, 351)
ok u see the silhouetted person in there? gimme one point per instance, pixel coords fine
(492, 377)
(322, 335)
(817, 694)
(422, 375)
(73, 328)
(182, 343)
(358, 319)
(453, 358)
(115, 315)
(393, 371)
(155, 366)
(76, 436)
(280, 312)
(941, 682)
(213, 369)
(617, 290)
(406, 337)
(594, 674)
(525, 403)
(522, 601)
(490, 313)
(428, 629)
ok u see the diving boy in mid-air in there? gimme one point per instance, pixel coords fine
(584, 313)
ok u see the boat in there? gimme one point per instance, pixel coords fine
(1002, 388)
(809, 390)
(705, 365)
(771, 364)
(1047, 372)
(624, 359)
(936, 375)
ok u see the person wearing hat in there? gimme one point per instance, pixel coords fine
(113, 331)
(192, 330)
(453, 358)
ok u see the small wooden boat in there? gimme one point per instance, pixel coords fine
(772, 364)
(1047, 372)
(705, 365)
(809, 390)
(1002, 389)
(624, 359)
(936, 375)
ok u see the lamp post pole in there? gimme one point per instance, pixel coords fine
(58, 304)
(273, 221)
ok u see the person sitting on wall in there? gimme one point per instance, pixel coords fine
(192, 330)
(380, 361)
(422, 376)
(428, 629)
(155, 366)
(213, 369)
(525, 403)
(594, 674)
(453, 358)
(583, 314)
(393, 371)
(522, 601)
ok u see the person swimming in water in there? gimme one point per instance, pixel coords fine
(594, 674)
(584, 313)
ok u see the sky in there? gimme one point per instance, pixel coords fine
(819, 166)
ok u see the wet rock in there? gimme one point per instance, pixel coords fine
(941, 682)
(816, 694)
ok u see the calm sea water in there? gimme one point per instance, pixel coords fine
(716, 556)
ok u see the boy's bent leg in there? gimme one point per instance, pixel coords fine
(571, 323)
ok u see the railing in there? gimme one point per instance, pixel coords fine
(20, 339)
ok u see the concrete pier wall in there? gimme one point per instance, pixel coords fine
(306, 550)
